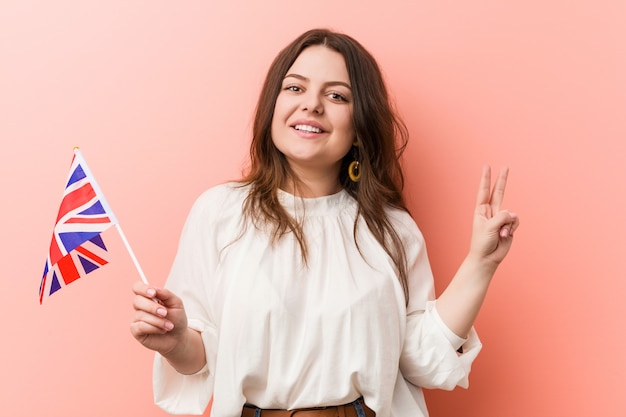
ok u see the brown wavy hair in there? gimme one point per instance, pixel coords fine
(382, 139)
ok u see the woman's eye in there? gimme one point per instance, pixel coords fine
(293, 88)
(337, 97)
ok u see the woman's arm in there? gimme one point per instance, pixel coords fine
(492, 236)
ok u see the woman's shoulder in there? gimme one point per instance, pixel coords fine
(404, 224)
(221, 198)
(228, 190)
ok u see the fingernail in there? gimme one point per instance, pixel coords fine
(151, 292)
(161, 312)
(169, 325)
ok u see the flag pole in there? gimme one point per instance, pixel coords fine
(132, 254)
(108, 209)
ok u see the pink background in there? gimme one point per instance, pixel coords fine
(160, 95)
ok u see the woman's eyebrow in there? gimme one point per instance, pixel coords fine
(303, 78)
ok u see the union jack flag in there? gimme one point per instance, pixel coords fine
(77, 248)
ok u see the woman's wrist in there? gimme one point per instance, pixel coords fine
(481, 266)
(188, 356)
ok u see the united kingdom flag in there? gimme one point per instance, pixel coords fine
(77, 248)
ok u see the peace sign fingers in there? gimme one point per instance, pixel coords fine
(493, 227)
(497, 195)
(488, 198)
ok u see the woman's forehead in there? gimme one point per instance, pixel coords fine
(320, 62)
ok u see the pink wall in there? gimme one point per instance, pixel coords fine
(159, 95)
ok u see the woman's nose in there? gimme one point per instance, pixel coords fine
(312, 102)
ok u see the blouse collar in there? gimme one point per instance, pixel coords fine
(316, 206)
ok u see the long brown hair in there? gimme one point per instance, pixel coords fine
(382, 138)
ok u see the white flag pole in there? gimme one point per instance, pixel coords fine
(132, 254)
(108, 209)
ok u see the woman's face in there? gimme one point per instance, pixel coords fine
(312, 123)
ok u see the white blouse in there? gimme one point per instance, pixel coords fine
(280, 333)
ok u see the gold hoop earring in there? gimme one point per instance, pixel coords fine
(354, 171)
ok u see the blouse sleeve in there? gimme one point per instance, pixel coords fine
(189, 278)
(432, 356)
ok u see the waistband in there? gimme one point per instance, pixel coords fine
(354, 409)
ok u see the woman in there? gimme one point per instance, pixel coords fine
(307, 284)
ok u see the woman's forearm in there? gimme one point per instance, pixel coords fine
(189, 356)
(459, 304)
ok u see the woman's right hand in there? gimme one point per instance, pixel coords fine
(159, 322)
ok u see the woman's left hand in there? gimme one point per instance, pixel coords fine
(492, 235)
(493, 227)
